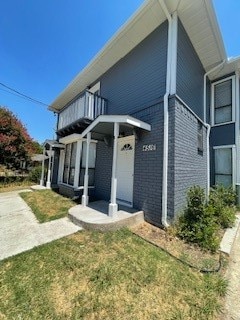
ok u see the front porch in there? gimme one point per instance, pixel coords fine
(77, 158)
(95, 216)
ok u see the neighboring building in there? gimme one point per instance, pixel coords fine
(133, 125)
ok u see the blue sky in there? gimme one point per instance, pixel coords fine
(44, 44)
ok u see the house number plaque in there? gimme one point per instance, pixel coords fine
(149, 147)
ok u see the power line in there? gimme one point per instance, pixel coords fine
(16, 92)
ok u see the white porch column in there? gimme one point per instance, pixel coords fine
(113, 207)
(77, 164)
(48, 184)
(43, 165)
(85, 197)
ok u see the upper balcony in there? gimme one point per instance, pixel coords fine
(84, 109)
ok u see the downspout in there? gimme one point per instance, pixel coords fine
(166, 116)
(205, 120)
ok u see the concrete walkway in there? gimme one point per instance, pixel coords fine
(232, 305)
(20, 230)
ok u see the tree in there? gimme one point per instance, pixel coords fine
(15, 142)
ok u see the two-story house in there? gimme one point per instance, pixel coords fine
(154, 113)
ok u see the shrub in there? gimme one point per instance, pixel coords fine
(35, 174)
(198, 222)
(227, 196)
(223, 201)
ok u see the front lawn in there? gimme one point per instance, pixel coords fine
(47, 205)
(116, 275)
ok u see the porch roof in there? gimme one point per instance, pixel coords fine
(53, 144)
(104, 125)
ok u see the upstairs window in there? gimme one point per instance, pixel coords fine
(223, 95)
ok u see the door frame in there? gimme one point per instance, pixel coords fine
(132, 139)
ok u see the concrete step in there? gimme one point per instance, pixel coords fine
(94, 217)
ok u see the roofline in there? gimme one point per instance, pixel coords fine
(216, 30)
(128, 25)
(130, 21)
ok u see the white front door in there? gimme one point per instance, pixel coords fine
(125, 170)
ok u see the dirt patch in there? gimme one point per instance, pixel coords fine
(191, 254)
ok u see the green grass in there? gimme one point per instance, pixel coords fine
(14, 186)
(47, 205)
(107, 276)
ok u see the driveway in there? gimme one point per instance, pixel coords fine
(20, 230)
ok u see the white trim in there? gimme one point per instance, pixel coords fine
(82, 187)
(166, 116)
(48, 184)
(232, 78)
(223, 124)
(43, 167)
(85, 197)
(191, 111)
(95, 88)
(117, 119)
(234, 165)
(130, 139)
(113, 207)
(71, 138)
(237, 130)
(227, 146)
(174, 40)
(146, 19)
(205, 89)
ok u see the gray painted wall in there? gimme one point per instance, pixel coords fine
(139, 77)
(103, 171)
(147, 194)
(190, 73)
(187, 167)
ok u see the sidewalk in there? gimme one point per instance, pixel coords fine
(20, 230)
(232, 304)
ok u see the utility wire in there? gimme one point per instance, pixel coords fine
(23, 95)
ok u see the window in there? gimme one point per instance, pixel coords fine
(69, 163)
(223, 101)
(200, 137)
(91, 163)
(223, 158)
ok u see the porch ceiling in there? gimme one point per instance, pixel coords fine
(104, 126)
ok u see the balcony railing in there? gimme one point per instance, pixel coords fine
(87, 106)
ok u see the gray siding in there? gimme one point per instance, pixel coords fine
(139, 78)
(190, 73)
(187, 167)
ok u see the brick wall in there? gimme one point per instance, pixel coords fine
(188, 166)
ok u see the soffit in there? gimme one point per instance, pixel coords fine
(230, 67)
(198, 19)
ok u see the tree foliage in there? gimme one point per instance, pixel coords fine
(15, 142)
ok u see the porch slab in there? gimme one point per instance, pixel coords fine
(38, 187)
(95, 217)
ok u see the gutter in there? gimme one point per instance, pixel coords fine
(166, 116)
(205, 120)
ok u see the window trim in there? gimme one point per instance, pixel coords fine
(233, 147)
(232, 78)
